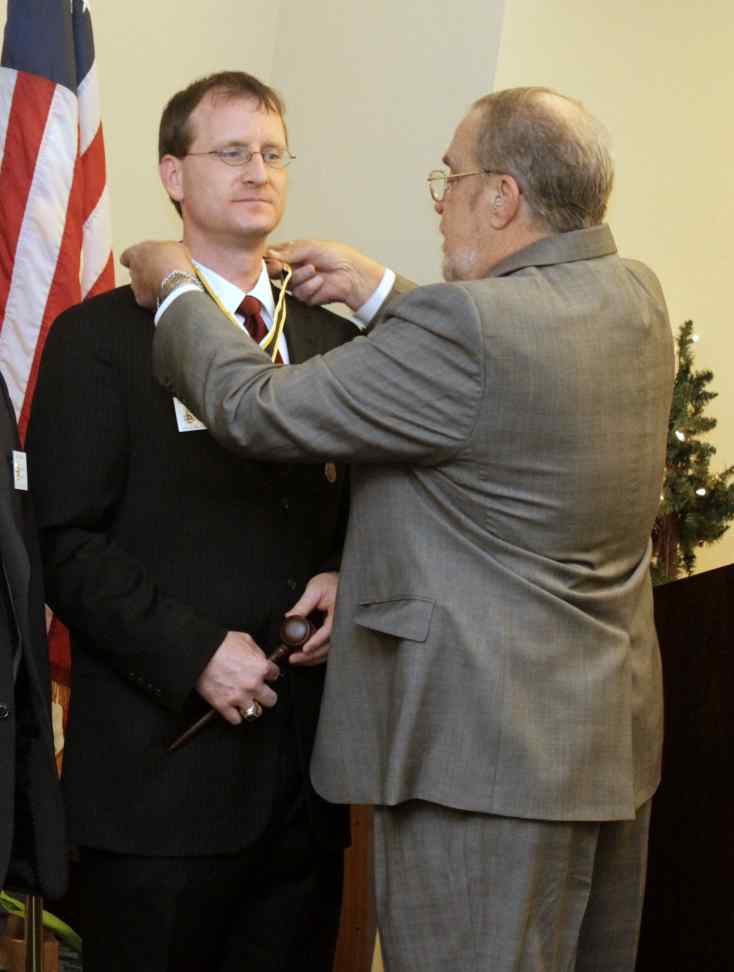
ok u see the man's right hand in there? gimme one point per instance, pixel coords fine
(149, 263)
(326, 271)
(236, 676)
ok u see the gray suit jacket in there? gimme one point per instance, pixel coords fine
(494, 646)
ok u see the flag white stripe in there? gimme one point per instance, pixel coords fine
(39, 243)
(90, 109)
(8, 78)
(96, 242)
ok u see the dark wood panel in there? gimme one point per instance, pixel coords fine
(689, 905)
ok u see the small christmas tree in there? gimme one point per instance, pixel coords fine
(696, 505)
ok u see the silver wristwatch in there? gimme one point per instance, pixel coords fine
(172, 280)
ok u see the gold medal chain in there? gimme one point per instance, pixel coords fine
(270, 344)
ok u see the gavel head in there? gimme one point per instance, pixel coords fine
(295, 631)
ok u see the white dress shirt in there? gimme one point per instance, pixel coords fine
(231, 298)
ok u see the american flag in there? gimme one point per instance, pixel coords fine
(54, 207)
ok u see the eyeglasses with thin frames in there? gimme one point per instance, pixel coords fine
(439, 181)
(239, 155)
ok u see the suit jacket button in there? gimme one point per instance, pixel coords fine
(292, 583)
(4, 711)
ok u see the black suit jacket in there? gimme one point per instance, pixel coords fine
(32, 839)
(156, 543)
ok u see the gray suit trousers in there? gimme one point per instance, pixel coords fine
(474, 892)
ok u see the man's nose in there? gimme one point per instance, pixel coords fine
(255, 170)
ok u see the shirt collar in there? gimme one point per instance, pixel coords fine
(231, 296)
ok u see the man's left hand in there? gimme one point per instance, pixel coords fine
(319, 595)
(149, 263)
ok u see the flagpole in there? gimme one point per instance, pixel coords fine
(34, 933)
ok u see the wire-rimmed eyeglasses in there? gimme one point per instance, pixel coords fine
(439, 181)
(239, 155)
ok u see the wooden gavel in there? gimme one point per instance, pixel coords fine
(294, 633)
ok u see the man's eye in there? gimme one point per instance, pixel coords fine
(233, 154)
(272, 155)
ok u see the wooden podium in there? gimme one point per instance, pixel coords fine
(356, 944)
(689, 904)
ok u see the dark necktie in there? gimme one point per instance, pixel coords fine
(256, 327)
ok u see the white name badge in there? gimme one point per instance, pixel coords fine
(186, 420)
(20, 470)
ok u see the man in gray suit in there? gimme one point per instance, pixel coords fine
(494, 687)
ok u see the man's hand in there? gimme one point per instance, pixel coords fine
(325, 271)
(236, 676)
(319, 595)
(149, 263)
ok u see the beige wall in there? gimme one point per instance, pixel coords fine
(662, 77)
(374, 91)
(145, 52)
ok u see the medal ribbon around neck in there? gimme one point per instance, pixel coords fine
(270, 344)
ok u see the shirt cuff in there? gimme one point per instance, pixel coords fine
(183, 288)
(364, 314)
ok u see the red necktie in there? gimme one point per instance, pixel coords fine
(256, 327)
(250, 309)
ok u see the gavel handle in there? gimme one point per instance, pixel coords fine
(277, 655)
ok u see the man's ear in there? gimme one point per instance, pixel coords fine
(171, 174)
(505, 200)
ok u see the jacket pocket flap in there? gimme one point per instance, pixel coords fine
(403, 617)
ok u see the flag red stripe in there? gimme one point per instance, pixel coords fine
(32, 98)
(105, 281)
(59, 652)
(93, 174)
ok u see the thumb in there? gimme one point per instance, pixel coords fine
(306, 603)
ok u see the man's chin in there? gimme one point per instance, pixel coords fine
(254, 230)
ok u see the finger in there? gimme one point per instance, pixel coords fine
(310, 291)
(303, 273)
(319, 637)
(306, 603)
(302, 660)
(265, 696)
(274, 265)
(230, 713)
(273, 673)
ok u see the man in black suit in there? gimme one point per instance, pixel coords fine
(32, 840)
(172, 564)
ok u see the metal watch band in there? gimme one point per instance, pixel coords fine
(172, 280)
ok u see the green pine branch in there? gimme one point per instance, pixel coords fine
(697, 504)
